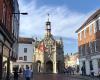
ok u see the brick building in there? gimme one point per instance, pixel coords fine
(9, 31)
(89, 45)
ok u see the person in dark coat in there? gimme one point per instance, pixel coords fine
(15, 73)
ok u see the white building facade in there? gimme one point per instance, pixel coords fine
(25, 53)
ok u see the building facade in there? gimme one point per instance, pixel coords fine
(7, 37)
(25, 53)
(89, 45)
(48, 56)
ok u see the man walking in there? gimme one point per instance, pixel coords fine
(28, 73)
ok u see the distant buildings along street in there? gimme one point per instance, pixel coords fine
(71, 60)
(89, 45)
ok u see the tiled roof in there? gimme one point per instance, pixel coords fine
(93, 16)
(26, 40)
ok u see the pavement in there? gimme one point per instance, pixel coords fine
(62, 77)
(58, 77)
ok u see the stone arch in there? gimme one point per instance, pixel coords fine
(49, 67)
(38, 63)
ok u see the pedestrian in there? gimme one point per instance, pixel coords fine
(83, 70)
(15, 73)
(23, 72)
(20, 70)
(28, 73)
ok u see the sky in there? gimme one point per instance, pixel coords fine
(66, 17)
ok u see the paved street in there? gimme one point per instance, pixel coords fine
(60, 77)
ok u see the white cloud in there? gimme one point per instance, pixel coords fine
(64, 21)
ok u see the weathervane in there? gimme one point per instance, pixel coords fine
(48, 16)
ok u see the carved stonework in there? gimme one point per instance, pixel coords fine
(49, 51)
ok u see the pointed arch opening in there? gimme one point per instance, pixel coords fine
(49, 67)
(38, 66)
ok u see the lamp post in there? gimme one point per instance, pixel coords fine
(21, 13)
(10, 51)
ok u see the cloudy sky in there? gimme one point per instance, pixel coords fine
(66, 17)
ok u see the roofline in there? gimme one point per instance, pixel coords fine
(26, 42)
(93, 16)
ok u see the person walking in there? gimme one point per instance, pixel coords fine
(15, 73)
(28, 73)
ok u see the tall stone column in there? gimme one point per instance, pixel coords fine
(8, 66)
(54, 67)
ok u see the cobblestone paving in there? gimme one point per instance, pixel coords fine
(60, 77)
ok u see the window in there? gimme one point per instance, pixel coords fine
(95, 27)
(25, 50)
(25, 58)
(90, 29)
(20, 58)
(97, 45)
(91, 65)
(80, 50)
(93, 46)
(90, 46)
(87, 31)
(83, 49)
(87, 49)
(80, 35)
(99, 63)
(99, 24)
(84, 33)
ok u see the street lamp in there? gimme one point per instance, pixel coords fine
(21, 13)
(8, 61)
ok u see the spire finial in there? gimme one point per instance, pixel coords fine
(48, 16)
